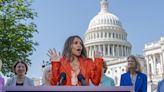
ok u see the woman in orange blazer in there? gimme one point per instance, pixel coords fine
(73, 62)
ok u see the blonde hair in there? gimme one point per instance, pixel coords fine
(138, 65)
(45, 71)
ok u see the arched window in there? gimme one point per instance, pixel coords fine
(113, 35)
(116, 35)
(101, 35)
(109, 35)
(97, 35)
(110, 50)
(102, 49)
(105, 34)
(106, 49)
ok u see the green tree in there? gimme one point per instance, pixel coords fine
(16, 32)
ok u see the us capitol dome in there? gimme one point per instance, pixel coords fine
(106, 34)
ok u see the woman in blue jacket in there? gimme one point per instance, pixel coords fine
(133, 76)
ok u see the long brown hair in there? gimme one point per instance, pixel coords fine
(138, 65)
(67, 53)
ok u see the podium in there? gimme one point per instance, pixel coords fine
(68, 89)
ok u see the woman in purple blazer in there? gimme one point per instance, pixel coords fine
(133, 76)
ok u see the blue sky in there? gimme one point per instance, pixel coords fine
(58, 19)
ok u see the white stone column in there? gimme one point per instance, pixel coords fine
(91, 51)
(103, 34)
(107, 35)
(163, 56)
(127, 51)
(94, 49)
(117, 50)
(161, 63)
(154, 63)
(87, 51)
(108, 49)
(104, 50)
(150, 64)
(123, 50)
(147, 67)
(113, 53)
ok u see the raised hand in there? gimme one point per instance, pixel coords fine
(97, 54)
(53, 55)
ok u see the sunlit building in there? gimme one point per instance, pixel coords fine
(154, 55)
(106, 34)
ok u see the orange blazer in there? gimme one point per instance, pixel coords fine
(89, 69)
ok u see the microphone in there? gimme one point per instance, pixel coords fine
(62, 78)
(82, 79)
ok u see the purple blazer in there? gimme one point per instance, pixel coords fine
(1, 82)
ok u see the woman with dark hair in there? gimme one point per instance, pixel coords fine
(133, 76)
(20, 69)
(74, 62)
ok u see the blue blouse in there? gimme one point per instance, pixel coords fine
(106, 81)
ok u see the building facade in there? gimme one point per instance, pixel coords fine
(154, 55)
(106, 34)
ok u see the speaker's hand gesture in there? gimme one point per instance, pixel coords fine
(53, 55)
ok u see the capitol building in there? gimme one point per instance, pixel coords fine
(105, 33)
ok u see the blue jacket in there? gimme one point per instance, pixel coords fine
(140, 84)
(160, 87)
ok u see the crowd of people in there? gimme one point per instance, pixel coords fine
(74, 68)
